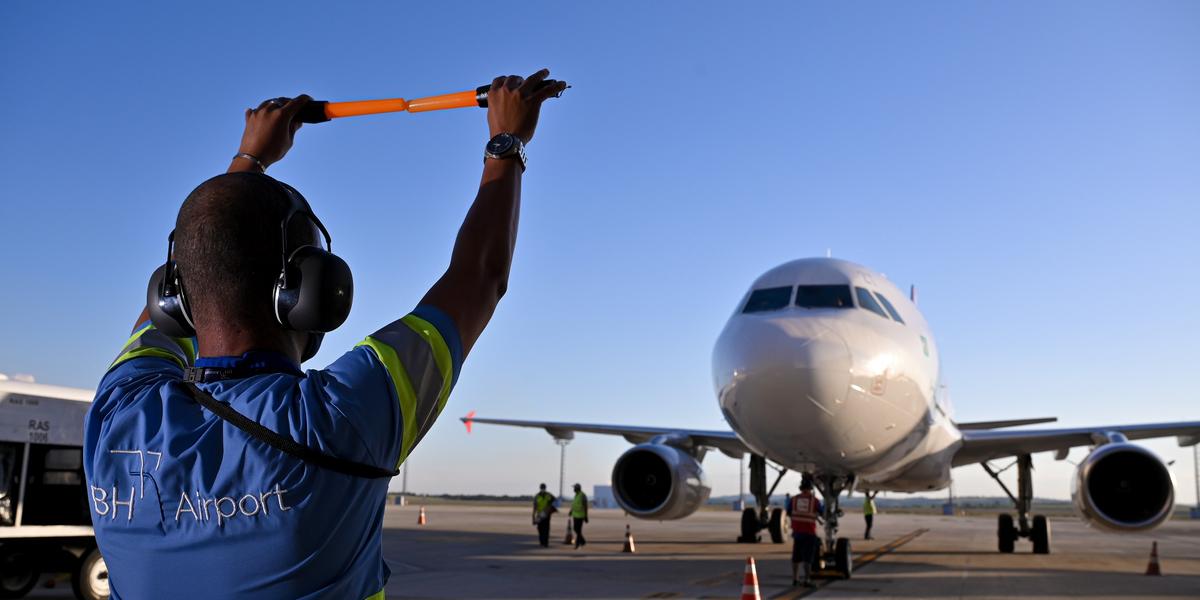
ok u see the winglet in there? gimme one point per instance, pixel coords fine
(468, 421)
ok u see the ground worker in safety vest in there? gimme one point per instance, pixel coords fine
(804, 510)
(285, 500)
(869, 513)
(543, 507)
(579, 515)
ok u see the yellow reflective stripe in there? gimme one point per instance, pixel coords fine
(376, 596)
(188, 345)
(441, 354)
(404, 392)
(137, 334)
(147, 351)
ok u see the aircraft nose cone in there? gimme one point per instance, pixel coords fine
(791, 373)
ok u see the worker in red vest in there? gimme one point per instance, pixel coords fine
(804, 509)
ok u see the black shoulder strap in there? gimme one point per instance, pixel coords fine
(283, 443)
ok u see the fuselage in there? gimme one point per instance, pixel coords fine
(826, 367)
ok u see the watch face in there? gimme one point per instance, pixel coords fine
(500, 144)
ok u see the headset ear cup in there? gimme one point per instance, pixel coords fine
(167, 306)
(319, 293)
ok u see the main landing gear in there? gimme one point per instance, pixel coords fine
(764, 517)
(1006, 531)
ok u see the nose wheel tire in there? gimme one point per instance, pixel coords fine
(750, 527)
(775, 527)
(1041, 535)
(843, 560)
(1006, 533)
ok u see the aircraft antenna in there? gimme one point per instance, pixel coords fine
(829, 253)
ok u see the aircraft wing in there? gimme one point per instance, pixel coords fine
(984, 445)
(725, 441)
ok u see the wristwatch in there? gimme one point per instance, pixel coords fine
(505, 145)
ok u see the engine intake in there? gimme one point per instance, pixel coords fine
(1123, 487)
(657, 481)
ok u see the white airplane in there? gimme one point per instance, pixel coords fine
(826, 368)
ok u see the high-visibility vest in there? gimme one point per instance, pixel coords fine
(542, 502)
(579, 506)
(804, 513)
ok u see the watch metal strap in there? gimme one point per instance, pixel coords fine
(519, 154)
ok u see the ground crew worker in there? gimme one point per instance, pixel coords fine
(868, 513)
(543, 507)
(186, 504)
(804, 509)
(579, 515)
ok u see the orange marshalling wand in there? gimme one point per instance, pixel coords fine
(319, 111)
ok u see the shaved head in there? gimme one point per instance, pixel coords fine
(227, 246)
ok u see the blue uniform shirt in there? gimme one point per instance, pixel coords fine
(187, 506)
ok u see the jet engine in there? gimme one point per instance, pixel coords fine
(1123, 487)
(657, 481)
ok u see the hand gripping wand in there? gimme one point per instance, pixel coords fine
(319, 111)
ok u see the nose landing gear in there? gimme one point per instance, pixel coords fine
(1007, 532)
(836, 550)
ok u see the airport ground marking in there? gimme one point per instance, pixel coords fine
(860, 562)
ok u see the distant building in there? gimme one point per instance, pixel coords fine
(602, 497)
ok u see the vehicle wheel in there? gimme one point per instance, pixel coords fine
(18, 573)
(749, 526)
(1041, 535)
(776, 525)
(90, 579)
(843, 560)
(1006, 533)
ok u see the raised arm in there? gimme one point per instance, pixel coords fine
(478, 274)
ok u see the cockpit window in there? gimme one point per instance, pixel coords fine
(768, 299)
(867, 301)
(888, 306)
(824, 296)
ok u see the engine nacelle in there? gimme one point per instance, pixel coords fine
(657, 481)
(1123, 487)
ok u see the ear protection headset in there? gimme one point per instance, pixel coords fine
(313, 292)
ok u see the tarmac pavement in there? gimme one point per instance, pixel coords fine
(492, 552)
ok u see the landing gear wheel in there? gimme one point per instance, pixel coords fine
(1041, 535)
(775, 527)
(750, 527)
(18, 573)
(1006, 533)
(843, 560)
(90, 580)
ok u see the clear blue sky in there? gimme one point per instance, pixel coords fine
(1032, 166)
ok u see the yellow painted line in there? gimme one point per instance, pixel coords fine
(863, 560)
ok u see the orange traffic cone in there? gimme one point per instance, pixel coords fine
(628, 541)
(1153, 568)
(421, 517)
(750, 581)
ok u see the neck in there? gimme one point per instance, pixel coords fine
(236, 341)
